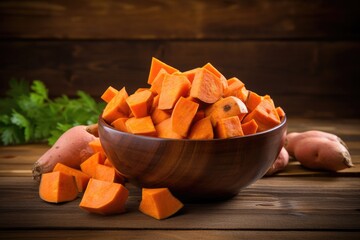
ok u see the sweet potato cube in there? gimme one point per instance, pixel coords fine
(159, 203)
(104, 198)
(56, 187)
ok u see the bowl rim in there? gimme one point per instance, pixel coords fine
(105, 124)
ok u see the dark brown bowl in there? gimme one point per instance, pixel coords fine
(193, 169)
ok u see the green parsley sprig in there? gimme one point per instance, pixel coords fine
(28, 115)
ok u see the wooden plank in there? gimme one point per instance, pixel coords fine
(189, 19)
(275, 203)
(178, 234)
(312, 79)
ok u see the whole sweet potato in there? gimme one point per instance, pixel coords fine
(322, 153)
(280, 162)
(71, 149)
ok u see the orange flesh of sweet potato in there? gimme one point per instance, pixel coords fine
(156, 66)
(190, 74)
(249, 127)
(164, 130)
(104, 198)
(159, 203)
(157, 82)
(97, 147)
(81, 178)
(109, 94)
(322, 154)
(109, 174)
(140, 103)
(229, 127)
(202, 129)
(234, 85)
(183, 115)
(173, 87)
(117, 107)
(226, 107)
(159, 115)
(280, 112)
(217, 73)
(119, 124)
(71, 149)
(56, 187)
(89, 165)
(141, 126)
(253, 100)
(265, 115)
(242, 94)
(206, 86)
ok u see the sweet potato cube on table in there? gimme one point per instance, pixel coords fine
(56, 187)
(104, 198)
(159, 203)
(81, 178)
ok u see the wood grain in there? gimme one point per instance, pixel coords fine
(179, 234)
(272, 203)
(307, 78)
(291, 205)
(261, 19)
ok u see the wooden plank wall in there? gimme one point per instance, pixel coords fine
(305, 54)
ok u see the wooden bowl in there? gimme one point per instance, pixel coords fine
(193, 169)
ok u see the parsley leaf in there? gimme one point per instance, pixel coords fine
(28, 115)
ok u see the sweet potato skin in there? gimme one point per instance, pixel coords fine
(320, 153)
(280, 162)
(71, 149)
(293, 137)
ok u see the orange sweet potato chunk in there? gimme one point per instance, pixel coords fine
(164, 130)
(116, 107)
(265, 115)
(229, 127)
(202, 129)
(183, 115)
(140, 103)
(156, 66)
(173, 87)
(109, 94)
(206, 86)
(141, 126)
(56, 187)
(159, 203)
(81, 178)
(106, 198)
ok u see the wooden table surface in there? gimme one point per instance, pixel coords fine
(294, 204)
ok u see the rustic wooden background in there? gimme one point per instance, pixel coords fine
(305, 54)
